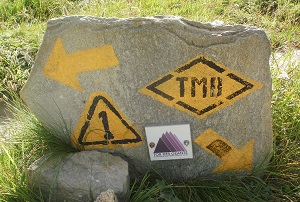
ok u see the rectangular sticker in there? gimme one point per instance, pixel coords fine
(169, 142)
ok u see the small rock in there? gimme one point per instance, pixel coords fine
(217, 23)
(107, 196)
(283, 75)
(80, 176)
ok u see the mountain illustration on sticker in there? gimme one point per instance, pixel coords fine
(169, 145)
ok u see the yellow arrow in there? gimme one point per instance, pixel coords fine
(64, 67)
(233, 159)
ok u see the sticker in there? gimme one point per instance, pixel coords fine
(233, 159)
(102, 125)
(169, 142)
(64, 67)
(200, 87)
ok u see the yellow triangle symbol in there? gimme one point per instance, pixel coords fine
(102, 125)
(200, 87)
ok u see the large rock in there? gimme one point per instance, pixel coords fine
(81, 176)
(101, 81)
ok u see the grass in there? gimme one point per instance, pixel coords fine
(23, 141)
(22, 25)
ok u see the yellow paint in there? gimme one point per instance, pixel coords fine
(101, 110)
(234, 160)
(171, 87)
(64, 67)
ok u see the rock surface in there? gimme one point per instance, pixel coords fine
(115, 76)
(81, 176)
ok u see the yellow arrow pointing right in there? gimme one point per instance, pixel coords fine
(233, 159)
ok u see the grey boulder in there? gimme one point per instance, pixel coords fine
(156, 70)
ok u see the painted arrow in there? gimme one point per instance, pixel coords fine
(233, 159)
(64, 67)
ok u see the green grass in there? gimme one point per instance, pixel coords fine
(23, 22)
(22, 25)
(23, 141)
